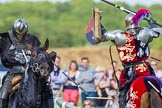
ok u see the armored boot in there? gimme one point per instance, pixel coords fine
(123, 94)
(122, 98)
(4, 99)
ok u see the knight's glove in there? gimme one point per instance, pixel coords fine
(103, 30)
(152, 23)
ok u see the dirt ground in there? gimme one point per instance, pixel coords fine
(98, 55)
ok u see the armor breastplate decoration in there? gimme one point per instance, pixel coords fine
(15, 54)
(133, 50)
(127, 53)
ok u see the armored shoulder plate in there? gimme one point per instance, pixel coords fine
(145, 34)
(117, 36)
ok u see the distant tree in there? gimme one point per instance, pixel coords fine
(64, 23)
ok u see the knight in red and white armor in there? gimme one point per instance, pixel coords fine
(133, 49)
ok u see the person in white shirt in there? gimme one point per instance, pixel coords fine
(154, 65)
(54, 79)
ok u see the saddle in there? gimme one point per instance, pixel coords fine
(15, 82)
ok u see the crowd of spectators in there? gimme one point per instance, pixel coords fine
(94, 86)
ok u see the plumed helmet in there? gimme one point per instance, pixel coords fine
(20, 27)
(128, 21)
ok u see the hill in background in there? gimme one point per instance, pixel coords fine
(98, 55)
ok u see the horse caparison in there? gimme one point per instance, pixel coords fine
(30, 90)
(146, 91)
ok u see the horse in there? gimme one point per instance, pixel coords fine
(145, 92)
(31, 89)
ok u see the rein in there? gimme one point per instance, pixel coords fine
(113, 65)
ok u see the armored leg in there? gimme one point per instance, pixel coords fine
(5, 91)
(124, 89)
(3, 98)
(123, 93)
(122, 98)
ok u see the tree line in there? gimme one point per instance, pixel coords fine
(64, 23)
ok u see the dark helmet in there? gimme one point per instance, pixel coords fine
(20, 27)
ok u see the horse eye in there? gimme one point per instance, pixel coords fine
(34, 54)
(42, 67)
(40, 55)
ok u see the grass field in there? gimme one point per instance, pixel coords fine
(98, 55)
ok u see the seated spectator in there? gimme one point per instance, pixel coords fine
(112, 100)
(88, 104)
(154, 65)
(112, 73)
(118, 72)
(112, 68)
(114, 78)
(100, 70)
(102, 83)
(71, 92)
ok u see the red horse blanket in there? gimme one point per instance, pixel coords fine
(140, 86)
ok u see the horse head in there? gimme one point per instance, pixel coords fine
(42, 61)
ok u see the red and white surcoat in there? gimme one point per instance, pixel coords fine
(133, 54)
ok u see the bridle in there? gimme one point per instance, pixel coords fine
(39, 62)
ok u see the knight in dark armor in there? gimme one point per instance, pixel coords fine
(13, 45)
(133, 50)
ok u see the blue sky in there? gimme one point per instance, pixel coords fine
(130, 2)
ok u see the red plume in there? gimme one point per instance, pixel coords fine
(140, 14)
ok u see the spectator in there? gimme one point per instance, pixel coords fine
(102, 83)
(118, 72)
(100, 79)
(111, 70)
(86, 80)
(154, 65)
(112, 75)
(88, 104)
(54, 78)
(71, 92)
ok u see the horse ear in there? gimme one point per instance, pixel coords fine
(46, 44)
